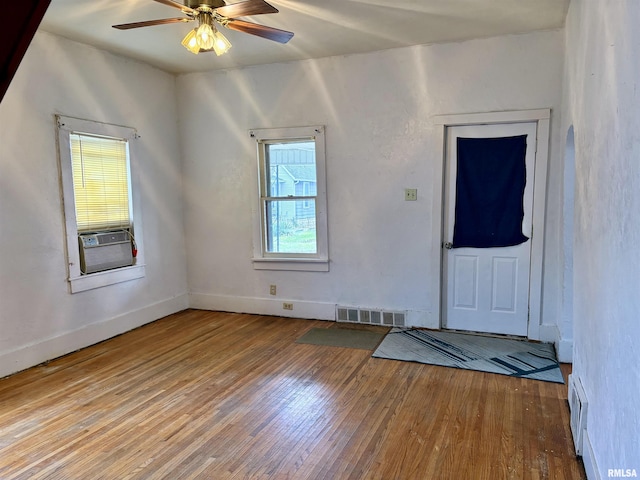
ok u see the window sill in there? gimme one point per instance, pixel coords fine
(293, 264)
(109, 277)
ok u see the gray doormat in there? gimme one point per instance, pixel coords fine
(516, 358)
(342, 337)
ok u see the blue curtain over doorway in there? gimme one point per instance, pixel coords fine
(490, 183)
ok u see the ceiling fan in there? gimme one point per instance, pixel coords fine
(206, 37)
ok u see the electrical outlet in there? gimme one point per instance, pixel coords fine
(272, 289)
(410, 194)
(287, 306)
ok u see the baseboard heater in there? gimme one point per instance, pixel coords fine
(105, 251)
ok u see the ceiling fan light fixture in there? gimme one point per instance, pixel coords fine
(208, 13)
(190, 42)
(220, 45)
(204, 33)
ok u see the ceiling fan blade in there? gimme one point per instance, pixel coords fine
(149, 23)
(179, 6)
(246, 8)
(263, 31)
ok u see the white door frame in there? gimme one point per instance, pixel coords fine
(542, 117)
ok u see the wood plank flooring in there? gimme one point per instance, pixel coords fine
(209, 395)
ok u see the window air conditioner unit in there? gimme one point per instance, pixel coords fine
(105, 251)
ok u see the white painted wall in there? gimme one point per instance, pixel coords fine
(39, 319)
(565, 325)
(377, 109)
(602, 102)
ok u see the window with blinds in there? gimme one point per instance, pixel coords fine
(97, 164)
(101, 185)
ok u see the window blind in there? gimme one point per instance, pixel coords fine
(100, 182)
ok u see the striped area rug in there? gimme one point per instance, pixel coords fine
(516, 358)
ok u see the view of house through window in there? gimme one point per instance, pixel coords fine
(290, 204)
(290, 225)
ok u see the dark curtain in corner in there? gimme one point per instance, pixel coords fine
(490, 192)
(18, 24)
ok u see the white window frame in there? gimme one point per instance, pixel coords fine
(77, 281)
(306, 191)
(263, 260)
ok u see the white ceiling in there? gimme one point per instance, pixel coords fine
(322, 28)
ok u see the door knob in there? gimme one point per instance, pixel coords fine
(448, 245)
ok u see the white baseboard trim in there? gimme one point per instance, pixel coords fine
(301, 308)
(589, 459)
(422, 319)
(263, 306)
(48, 349)
(564, 350)
(564, 347)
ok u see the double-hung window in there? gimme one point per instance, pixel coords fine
(102, 246)
(291, 228)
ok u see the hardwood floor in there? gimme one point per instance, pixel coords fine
(211, 395)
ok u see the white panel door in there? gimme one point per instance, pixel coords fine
(487, 289)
